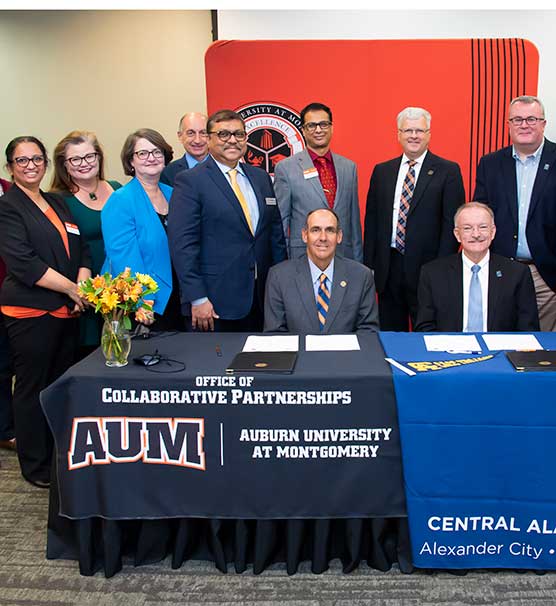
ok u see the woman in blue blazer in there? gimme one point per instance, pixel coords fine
(134, 222)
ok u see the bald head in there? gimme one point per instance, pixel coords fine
(193, 135)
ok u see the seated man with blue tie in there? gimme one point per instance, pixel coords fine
(320, 292)
(476, 290)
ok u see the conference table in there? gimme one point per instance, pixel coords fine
(184, 460)
(479, 446)
(257, 468)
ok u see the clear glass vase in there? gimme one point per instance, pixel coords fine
(115, 343)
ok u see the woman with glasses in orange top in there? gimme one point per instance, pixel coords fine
(45, 258)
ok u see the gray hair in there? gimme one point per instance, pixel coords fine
(478, 205)
(414, 113)
(529, 99)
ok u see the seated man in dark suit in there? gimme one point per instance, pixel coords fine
(476, 290)
(320, 292)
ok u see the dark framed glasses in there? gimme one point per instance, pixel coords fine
(23, 161)
(311, 127)
(225, 135)
(143, 154)
(76, 161)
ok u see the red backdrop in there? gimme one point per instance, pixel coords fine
(465, 84)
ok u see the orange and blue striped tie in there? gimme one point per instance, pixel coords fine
(405, 201)
(323, 300)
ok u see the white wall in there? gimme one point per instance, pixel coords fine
(111, 72)
(538, 26)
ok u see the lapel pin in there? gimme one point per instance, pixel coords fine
(498, 273)
(431, 172)
(343, 283)
(546, 166)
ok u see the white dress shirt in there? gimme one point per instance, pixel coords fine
(404, 167)
(250, 197)
(246, 189)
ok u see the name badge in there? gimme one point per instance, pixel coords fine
(270, 201)
(310, 173)
(72, 229)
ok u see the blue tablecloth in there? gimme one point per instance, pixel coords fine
(479, 450)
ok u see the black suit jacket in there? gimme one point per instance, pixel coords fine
(30, 244)
(496, 186)
(511, 296)
(429, 232)
(168, 175)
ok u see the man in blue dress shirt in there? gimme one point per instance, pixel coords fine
(519, 183)
(192, 133)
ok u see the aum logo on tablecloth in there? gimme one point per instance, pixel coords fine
(274, 133)
(167, 441)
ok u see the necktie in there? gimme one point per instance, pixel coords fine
(405, 201)
(327, 181)
(475, 307)
(241, 198)
(323, 300)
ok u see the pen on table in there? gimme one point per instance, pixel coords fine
(218, 351)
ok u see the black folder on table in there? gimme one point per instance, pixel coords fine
(525, 361)
(263, 361)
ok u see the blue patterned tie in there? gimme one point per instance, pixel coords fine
(405, 201)
(475, 307)
(323, 300)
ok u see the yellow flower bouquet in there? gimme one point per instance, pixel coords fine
(116, 299)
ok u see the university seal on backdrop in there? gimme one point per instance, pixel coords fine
(273, 134)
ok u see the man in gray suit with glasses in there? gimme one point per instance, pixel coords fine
(317, 178)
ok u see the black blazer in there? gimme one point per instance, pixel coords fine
(30, 244)
(170, 172)
(496, 186)
(512, 306)
(429, 232)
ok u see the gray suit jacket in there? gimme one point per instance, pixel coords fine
(290, 305)
(297, 196)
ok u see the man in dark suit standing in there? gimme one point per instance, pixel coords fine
(476, 291)
(519, 183)
(224, 232)
(192, 132)
(320, 292)
(410, 208)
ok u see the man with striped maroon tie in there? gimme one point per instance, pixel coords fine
(411, 203)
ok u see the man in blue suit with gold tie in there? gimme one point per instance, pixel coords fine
(225, 232)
